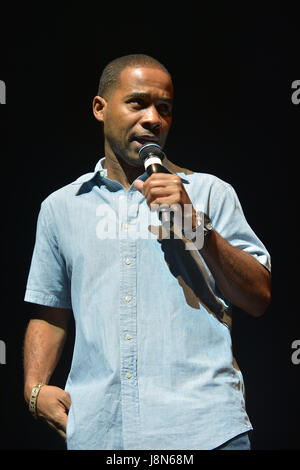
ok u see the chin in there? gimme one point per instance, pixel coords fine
(132, 159)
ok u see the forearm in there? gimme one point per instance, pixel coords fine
(239, 276)
(44, 341)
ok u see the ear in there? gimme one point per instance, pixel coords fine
(99, 106)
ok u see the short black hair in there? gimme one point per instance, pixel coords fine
(110, 76)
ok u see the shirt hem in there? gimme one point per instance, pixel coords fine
(48, 300)
(73, 445)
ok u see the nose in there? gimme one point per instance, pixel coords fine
(151, 119)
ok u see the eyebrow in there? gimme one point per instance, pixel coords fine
(146, 96)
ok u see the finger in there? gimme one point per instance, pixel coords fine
(63, 423)
(65, 399)
(62, 434)
(158, 181)
(152, 192)
(165, 176)
(60, 420)
(167, 185)
(162, 201)
(58, 429)
(164, 196)
(138, 184)
(163, 191)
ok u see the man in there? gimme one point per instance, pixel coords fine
(152, 364)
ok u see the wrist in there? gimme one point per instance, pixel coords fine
(28, 388)
(32, 403)
(197, 224)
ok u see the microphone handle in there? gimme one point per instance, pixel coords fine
(165, 215)
(156, 168)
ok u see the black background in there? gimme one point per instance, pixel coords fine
(232, 100)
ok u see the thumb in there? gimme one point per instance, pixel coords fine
(66, 400)
(138, 184)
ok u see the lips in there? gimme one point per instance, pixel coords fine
(144, 139)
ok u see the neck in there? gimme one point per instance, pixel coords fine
(120, 171)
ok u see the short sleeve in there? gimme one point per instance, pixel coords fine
(48, 283)
(229, 221)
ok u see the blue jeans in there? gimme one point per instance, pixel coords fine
(240, 442)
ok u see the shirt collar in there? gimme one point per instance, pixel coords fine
(99, 177)
(103, 171)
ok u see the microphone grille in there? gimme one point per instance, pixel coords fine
(150, 149)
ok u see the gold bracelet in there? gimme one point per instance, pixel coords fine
(33, 398)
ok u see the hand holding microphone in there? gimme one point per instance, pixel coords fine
(151, 155)
(161, 187)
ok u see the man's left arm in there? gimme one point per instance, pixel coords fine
(243, 280)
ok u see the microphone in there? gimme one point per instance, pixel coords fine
(151, 155)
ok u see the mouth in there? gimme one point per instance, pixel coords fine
(140, 140)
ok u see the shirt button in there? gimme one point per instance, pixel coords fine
(127, 261)
(101, 173)
(128, 336)
(128, 375)
(128, 298)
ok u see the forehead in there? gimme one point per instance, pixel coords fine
(145, 79)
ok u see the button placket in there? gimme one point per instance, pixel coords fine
(128, 330)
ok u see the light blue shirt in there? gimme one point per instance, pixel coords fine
(152, 365)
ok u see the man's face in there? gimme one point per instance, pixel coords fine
(138, 111)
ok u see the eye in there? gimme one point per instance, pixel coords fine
(137, 103)
(164, 109)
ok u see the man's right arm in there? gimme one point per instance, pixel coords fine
(44, 341)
